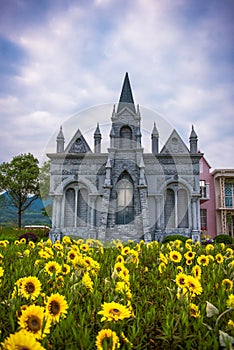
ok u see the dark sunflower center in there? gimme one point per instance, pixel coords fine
(182, 280)
(34, 324)
(72, 256)
(30, 287)
(175, 257)
(52, 268)
(54, 307)
(115, 312)
(23, 347)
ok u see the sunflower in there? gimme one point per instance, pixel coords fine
(189, 261)
(43, 254)
(163, 258)
(181, 279)
(71, 255)
(189, 255)
(3, 243)
(227, 284)
(58, 246)
(66, 240)
(180, 268)
(114, 312)
(196, 271)
(31, 244)
(125, 250)
(21, 340)
(118, 267)
(33, 320)
(193, 285)
(56, 307)
(161, 267)
(194, 310)
(219, 258)
(230, 301)
(209, 247)
(87, 282)
(30, 287)
(107, 339)
(52, 268)
(84, 247)
(66, 269)
(175, 256)
(231, 325)
(123, 288)
(120, 259)
(124, 275)
(203, 260)
(1, 271)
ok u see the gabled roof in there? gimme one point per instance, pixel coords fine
(78, 144)
(174, 145)
(126, 97)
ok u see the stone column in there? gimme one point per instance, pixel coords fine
(58, 211)
(76, 206)
(195, 219)
(145, 212)
(104, 213)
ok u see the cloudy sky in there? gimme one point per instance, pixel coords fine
(61, 57)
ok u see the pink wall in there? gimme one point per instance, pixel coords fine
(209, 204)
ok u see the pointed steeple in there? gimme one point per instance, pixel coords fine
(154, 138)
(193, 141)
(126, 97)
(60, 141)
(97, 139)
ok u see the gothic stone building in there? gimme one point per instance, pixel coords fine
(125, 193)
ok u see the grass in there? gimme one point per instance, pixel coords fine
(142, 278)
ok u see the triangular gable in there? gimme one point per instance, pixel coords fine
(174, 145)
(78, 144)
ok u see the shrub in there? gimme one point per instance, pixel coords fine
(29, 236)
(223, 239)
(174, 238)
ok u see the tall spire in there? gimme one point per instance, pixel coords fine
(126, 97)
(97, 140)
(193, 141)
(60, 141)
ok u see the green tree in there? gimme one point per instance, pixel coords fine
(44, 180)
(20, 179)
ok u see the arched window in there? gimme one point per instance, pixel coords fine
(82, 207)
(169, 209)
(125, 137)
(69, 217)
(76, 206)
(125, 208)
(176, 208)
(182, 205)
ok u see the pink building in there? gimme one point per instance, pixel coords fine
(207, 200)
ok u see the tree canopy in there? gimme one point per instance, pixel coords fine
(20, 179)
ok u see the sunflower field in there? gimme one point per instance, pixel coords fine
(77, 294)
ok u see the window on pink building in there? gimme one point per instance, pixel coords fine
(203, 215)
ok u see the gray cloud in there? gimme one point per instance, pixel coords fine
(178, 54)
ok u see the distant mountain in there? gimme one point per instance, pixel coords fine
(31, 216)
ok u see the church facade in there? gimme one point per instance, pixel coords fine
(125, 193)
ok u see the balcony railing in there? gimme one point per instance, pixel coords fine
(226, 203)
(205, 192)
